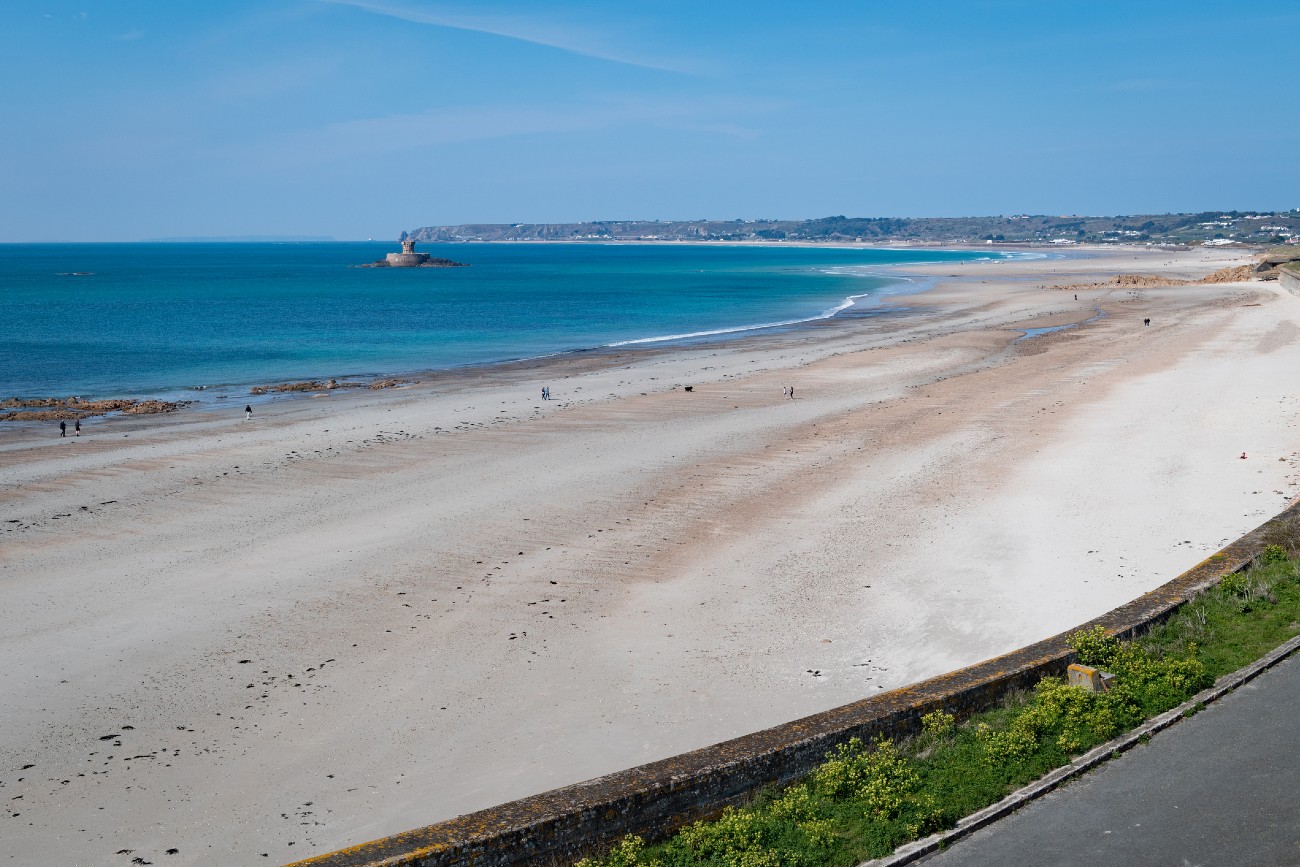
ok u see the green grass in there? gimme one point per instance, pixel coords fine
(1248, 615)
(866, 800)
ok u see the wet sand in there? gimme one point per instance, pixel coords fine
(361, 613)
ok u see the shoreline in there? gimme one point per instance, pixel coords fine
(195, 398)
(481, 595)
(198, 398)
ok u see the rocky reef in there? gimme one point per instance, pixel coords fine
(322, 385)
(428, 262)
(69, 408)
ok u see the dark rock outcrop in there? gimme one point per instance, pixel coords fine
(430, 262)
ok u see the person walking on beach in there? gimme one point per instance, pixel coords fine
(792, 392)
(248, 412)
(63, 428)
(77, 426)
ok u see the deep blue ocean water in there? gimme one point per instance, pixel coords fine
(159, 319)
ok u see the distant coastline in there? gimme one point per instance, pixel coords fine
(1215, 228)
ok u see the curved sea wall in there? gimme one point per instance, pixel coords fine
(562, 825)
(1289, 277)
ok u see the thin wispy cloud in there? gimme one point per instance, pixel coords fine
(573, 38)
(267, 80)
(130, 36)
(1137, 85)
(416, 134)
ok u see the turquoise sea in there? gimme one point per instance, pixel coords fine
(164, 319)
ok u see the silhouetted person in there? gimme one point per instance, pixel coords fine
(248, 411)
(63, 428)
(77, 425)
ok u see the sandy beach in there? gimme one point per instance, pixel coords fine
(252, 641)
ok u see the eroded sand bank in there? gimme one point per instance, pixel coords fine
(359, 614)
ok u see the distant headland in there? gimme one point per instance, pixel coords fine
(408, 258)
(1213, 228)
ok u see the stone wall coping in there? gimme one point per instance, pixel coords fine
(564, 824)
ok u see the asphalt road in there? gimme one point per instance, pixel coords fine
(1222, 788)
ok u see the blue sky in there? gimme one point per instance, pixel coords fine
(360, 118)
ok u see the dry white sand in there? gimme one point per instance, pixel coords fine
(359, 614)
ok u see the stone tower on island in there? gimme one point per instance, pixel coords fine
(408, 258)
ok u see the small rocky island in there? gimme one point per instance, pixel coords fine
(408, 258)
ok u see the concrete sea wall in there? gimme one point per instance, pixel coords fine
(1289, 277)
(562, 825)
